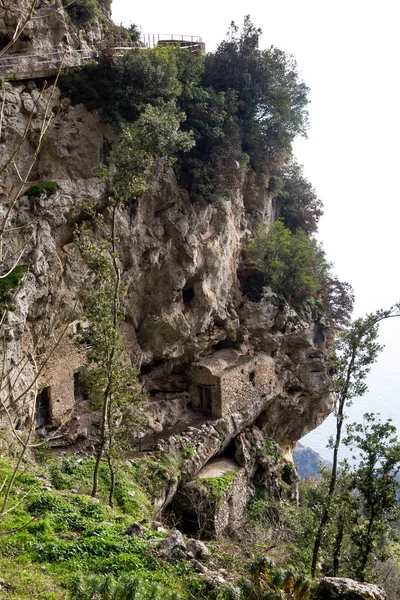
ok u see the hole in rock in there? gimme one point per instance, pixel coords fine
(230, 450)
(188, 294)
(224, 345)
(190, 523)
(252, 380)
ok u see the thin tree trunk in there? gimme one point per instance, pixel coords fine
(339, 424)
(102, 441)
(338, 546)
(105, 424)
(364, 555)
(112, 480)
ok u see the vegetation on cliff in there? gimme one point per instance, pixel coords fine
(222, 121)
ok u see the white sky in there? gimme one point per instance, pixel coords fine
(348, 53)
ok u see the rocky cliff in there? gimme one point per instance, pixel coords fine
(188, 296)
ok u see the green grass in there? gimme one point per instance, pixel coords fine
(53, 536)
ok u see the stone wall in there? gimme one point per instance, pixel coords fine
(58, 376)
(241, 384)
(234, 380)
(201, 376)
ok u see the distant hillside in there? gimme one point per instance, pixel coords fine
(308, 461)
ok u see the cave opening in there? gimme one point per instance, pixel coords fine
(252, 380)
(230, 450)
(188, 295)
(224, 345)
(42, 412)
(252, 282)
(146, 369)
(190, 523)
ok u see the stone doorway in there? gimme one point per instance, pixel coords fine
(205, 399)
(42, 413)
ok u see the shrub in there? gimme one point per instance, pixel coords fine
(296, 267)
(48, 187)
(292, 262)
(216, 486)
(297, 202)
(9, 285)
(81, 12)
(189, 451)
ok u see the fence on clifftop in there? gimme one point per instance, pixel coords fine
(46, 64)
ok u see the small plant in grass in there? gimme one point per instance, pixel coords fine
(270, 582)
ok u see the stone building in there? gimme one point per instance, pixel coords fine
(228, 381)
(59, 387)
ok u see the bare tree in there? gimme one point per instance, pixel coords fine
(20, 376)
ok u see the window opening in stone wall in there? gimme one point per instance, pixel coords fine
(205, 399)
(252, 380)
(43, 408)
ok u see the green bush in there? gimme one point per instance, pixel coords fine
(9, 285)
(48, 187)
(216, 486)
(293, 264)
(81, 12)
(189, 451)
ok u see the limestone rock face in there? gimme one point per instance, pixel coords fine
(332, 588)
(180, 263)
(49, 31)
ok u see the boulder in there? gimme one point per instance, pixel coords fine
(173, 540)
(335, 588)
(198, 549)
(136, 529)
(158, 526)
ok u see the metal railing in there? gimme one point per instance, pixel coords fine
(150, 40)
(30, 65)
(45, 61)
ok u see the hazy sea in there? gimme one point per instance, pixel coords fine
(383, 397)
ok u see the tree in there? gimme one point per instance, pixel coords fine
(356, 351)
(297, 202)
(108, 378)
(19, 378)
(271, 100)
(293, 264)
(373, 479)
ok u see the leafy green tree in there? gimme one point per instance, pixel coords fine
(122, 86)
(356, 351)
(271, 100)
(291, 262)
(108, 378)
(373, 479)
(297, 202)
